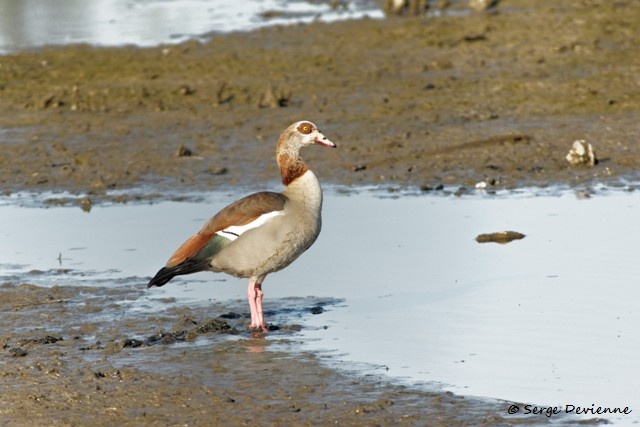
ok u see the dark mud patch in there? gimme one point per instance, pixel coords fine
(64, 363)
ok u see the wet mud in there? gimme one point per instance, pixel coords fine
(497, 98)
(455, 100)
(82, 356)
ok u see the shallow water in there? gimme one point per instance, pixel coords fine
(550, 320)
(31, 23)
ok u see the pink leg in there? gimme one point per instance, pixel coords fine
(254, 294)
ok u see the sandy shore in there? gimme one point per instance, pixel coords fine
(420, 102)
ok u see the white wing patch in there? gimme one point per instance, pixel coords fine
(235, 231)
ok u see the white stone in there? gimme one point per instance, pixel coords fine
(581, 153)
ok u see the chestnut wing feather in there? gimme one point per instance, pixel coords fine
(240, 212)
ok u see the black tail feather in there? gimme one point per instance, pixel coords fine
(167, 273)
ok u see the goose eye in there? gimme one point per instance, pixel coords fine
(305, 128)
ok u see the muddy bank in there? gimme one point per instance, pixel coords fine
(82, 356)
(451, 100)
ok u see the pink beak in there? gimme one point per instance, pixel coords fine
(324, 141)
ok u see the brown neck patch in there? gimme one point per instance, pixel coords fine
(291, 168)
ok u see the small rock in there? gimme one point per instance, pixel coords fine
(223, 94)
(18, 352)
(317, 310)
(183, 151)
(499, 237)
(48, 339)
(230, 315)
(581, 153)
(186, 90)
(47, 101)
(217, 170)
(474, 37)
(274, 98)
(97, 346)
(427, 187)
(85, 204)
(213, 325)
(461, 191)
(132, 342)
(404, 7)
(480, 5)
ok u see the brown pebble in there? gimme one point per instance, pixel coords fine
(183, 151)
(500, 237)
(217, 170)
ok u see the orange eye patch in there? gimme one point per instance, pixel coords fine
(305, 128)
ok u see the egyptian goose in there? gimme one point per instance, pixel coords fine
(263, 232)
